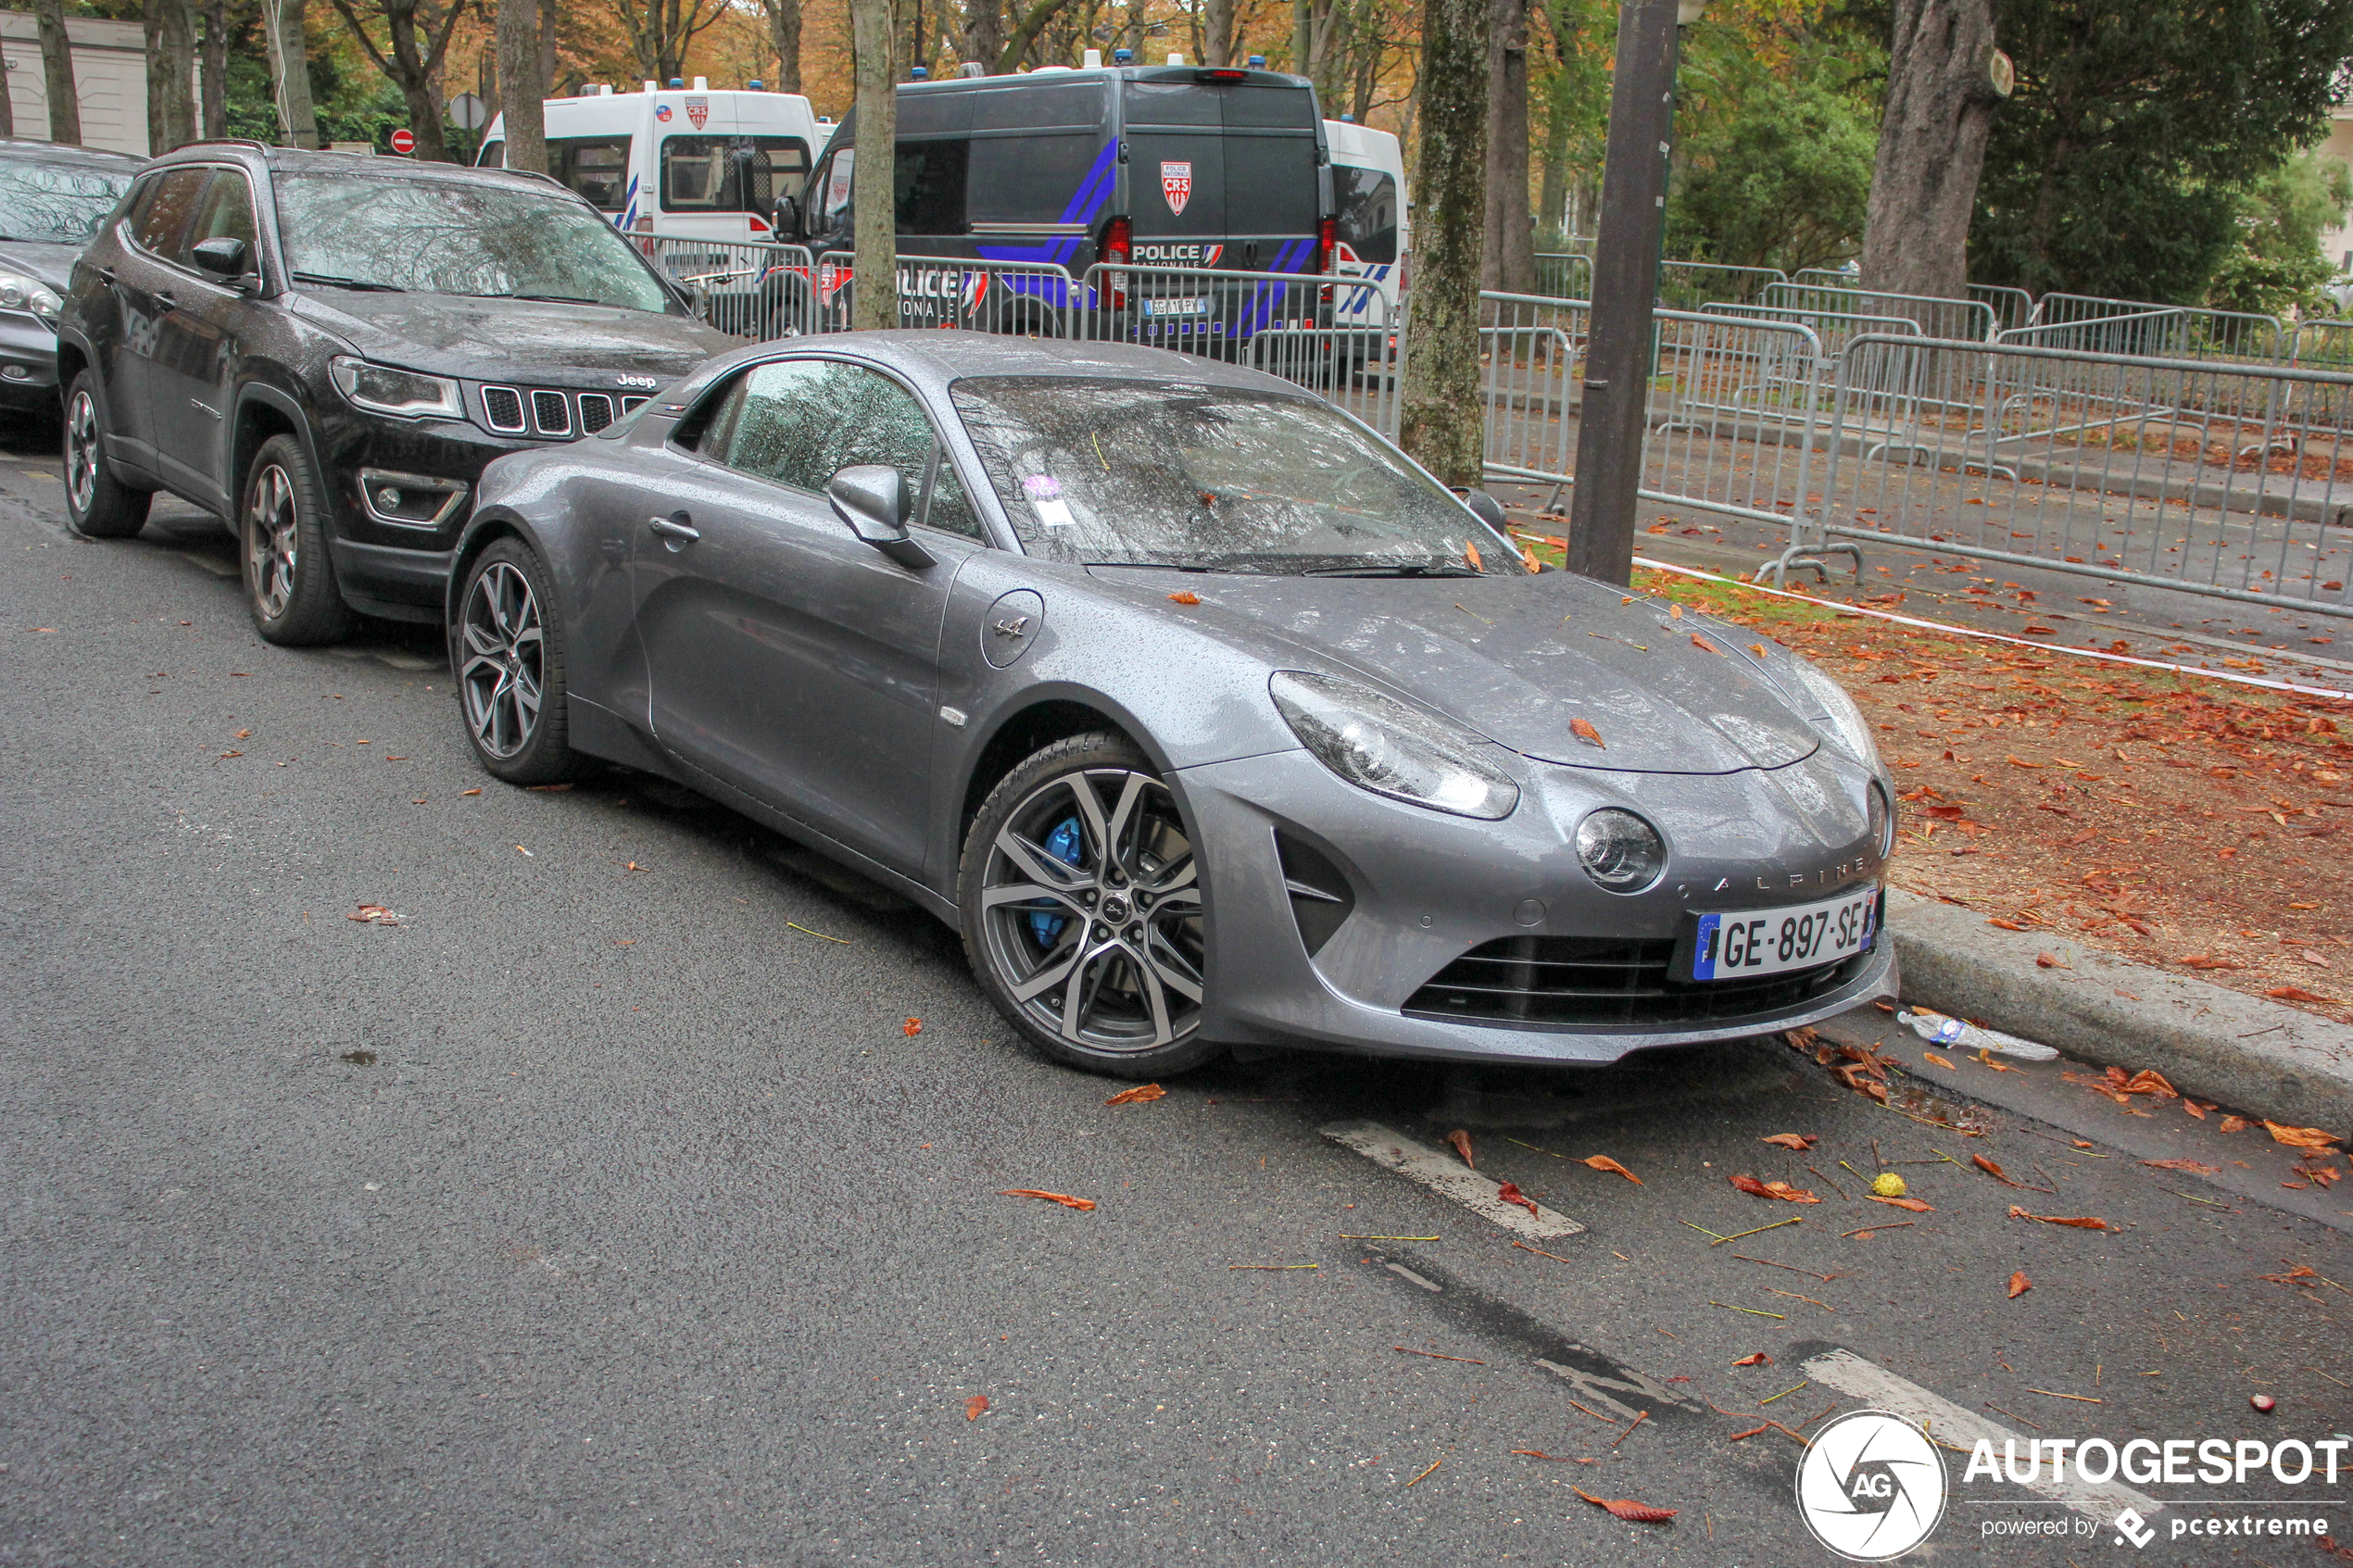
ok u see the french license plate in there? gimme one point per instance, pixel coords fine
(1194, 307)
(1753, 942)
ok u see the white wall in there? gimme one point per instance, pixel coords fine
(109, 72)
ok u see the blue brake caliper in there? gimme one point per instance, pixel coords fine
(1062, 845)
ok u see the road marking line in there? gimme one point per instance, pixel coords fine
(1448, 1178)
(1948, 1422)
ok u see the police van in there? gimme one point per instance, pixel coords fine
(678, 164)
(1373, 232)
(1158, 165)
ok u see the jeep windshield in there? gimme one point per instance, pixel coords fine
(459, 237)
(1119, 472)
(56, 204)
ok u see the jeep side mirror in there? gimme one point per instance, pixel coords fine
(873, 498)
(1486, 508)
(787, 220)
(223, 258)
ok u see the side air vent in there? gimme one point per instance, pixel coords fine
(502, 408)
(631, 405)
(595, 412)
(551, 413)
(1321, 899)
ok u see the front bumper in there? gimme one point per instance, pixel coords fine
(1425, 888)
(384, 565)
(28, 362)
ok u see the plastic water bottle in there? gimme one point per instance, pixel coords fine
(1939, 1030)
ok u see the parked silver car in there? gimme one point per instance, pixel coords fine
(1203, 713)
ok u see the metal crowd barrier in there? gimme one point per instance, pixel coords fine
(1565, 274)
(1693, 285)
(1731, 412)
(1029, 298)
(1935, 317)
(2090, 324)
(749, 288)
(2226, 480)
(2012, 307)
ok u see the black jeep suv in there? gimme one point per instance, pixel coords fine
(326, 349)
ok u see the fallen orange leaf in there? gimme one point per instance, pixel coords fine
(2083, 1222)
(1138, 1095)
(2300, 1137)
(1801, 1141)
(1781, 1190)
(1460, 1141)
(1991, 1170)
(2148, 1081)
(1758, 1359)
(1603, 1162)
(1509, 1193)
(1470, 554)
(2298, 994)
(1583, 730)
(912, 1026)
(1940, 1061)
(2202, 1170)
(976, 1406)
(1703, 644)
(2234, 1123)
(1184, 597)
(1914, 1204)
(1061, 1197)
(2020, 1284)
(1627, 1509)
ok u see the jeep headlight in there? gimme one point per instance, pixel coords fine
(1379, 744)
(21, 292)
(404, 395)
(1843, 721)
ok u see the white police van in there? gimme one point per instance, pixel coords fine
(1373, 232)
(681, 163)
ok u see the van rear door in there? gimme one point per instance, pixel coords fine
(1224, 174)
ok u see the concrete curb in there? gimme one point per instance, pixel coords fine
(2248, 1053)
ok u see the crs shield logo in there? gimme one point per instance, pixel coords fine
(1177, 185)
(1871, 1488)
(698, 110)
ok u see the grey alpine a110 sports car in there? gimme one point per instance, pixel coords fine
(1204, 714)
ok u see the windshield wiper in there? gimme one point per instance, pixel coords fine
(547, 298)
(1399, 568)
(361, 284)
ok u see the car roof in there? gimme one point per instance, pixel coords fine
(23, 150)
(298, 160)
(938, 358)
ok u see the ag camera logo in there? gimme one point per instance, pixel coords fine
(1871, 1488)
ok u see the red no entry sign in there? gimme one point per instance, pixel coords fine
(404, 141)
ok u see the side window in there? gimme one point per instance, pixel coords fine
(930, 196)
(163, 214)
(1038, 178)
(729, 174)
(494, 155)
(596, 167)
(800, 421)
(1368, 199)
(834, 201)
(225, 212)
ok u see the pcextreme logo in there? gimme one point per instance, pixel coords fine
(1871, 1488)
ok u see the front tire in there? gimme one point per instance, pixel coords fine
(1083, 912)
(281, 534)
(508, 647)
(98, 505)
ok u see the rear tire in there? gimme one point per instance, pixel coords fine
(508, 645)
(98, 505)
(281, 536)
(1083, 913)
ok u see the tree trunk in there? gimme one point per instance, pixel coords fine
(56, 70)
(985, 31)
(289, 65)
(216, 69)
(1440, 419)
(783, 32)
(1931, 146)
(1507, 261)
(547, 46)
(875, 295)
(1303, 37)
(1217, 33)
(1551, 217)
(521, 90)
(7, 111)
(172, 64)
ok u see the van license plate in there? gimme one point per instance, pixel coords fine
(1753, 941)
(1175, 306)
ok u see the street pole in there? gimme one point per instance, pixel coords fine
(1626, 249)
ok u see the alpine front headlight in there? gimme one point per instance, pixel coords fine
(1848, 729)
(404, 395)
(30, 294)
(1621, 851)
(1377, 743)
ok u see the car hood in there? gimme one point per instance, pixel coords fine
(501, 339)
(53, 264)
(1520, 660)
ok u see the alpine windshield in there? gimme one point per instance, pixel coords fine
(55, 205)
(458, 237)
(1120, 472)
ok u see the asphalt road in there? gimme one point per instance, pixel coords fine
(600, 1212)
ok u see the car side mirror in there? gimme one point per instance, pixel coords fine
(787, 220)
(224, 258)
(873, 498)
(1486, 508)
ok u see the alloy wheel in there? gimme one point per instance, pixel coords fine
(1092, 912)
(505, 670)
(271, 550)
(82, 453)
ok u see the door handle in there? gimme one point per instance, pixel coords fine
(166, 301)
(674, 528)
(106, 275)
